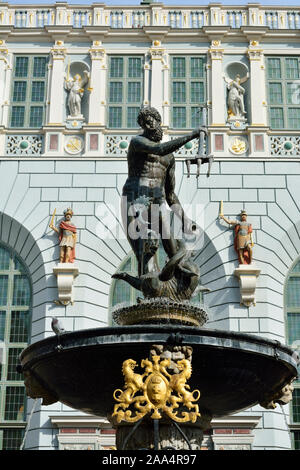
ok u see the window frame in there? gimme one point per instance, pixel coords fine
(188, 105)
(125, 80)
(28, 104)
(15, 263)
(283, 81)
(295, 425)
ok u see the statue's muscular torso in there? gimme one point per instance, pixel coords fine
(148, 169)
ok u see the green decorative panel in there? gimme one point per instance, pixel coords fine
(22, 145)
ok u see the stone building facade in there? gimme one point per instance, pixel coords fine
(176, 59)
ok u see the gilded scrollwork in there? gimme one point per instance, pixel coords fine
(158, 392)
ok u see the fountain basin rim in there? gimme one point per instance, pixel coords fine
(157, 334)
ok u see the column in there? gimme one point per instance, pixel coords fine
(58, 53)
(217, 84)
(97, 99)
(157, 58)
(257, 93)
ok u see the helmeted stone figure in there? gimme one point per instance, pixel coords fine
(243, 237)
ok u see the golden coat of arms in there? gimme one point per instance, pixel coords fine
(156, 392)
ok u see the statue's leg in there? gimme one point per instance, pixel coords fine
(241, 256)
(62, 254)
(68, 254)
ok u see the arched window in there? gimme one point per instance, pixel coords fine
(292, 314)
(122, 293)
(15, 325)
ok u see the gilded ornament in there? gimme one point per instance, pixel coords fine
(158, 392)
(216, 43)
(156, 43)
(238, 146)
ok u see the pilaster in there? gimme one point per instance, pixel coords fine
(217, 93)
(97, 99)
(257, 76)
(58, 53)
(157, 53)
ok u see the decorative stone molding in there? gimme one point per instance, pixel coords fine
(247, 274)
(285, 145)
(58, 52)
(66, 273)
(96, 52)
(216, 53)
(24, 145)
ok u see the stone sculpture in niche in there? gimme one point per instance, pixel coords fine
(75, 87)
(235, 100)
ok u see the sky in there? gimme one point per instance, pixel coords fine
(165, 2)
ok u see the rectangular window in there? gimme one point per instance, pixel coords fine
(17, 116)
(4, 259)
(21, 294)
(15, 404)
(21, 66)
(125, 91)
(19, 93)
(28, 91)
(12, 438)
(38, 91)
(296, 406)
(20, 325)
(13, 361)
(3, 290)
(283, 83)
(187, 89)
